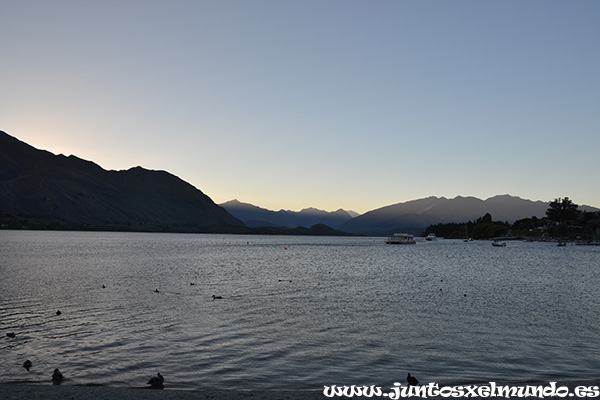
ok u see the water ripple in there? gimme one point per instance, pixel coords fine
(325, 311)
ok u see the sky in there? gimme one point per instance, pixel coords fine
(328, 104)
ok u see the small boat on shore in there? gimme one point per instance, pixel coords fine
(497, 243)
(400, 238)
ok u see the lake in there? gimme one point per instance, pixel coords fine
(296, 312)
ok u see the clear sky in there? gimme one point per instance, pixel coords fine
(315, 103)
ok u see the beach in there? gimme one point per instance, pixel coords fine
(64, 392)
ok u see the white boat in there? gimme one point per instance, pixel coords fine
(497, 243)
(400, 238)
(431, 237)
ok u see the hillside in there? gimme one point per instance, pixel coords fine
(43, 190)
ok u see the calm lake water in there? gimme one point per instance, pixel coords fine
(296, 312)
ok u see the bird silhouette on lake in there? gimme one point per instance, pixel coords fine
(412, 381)
(58, 312)
(57, 377)
(27, 364)
(156, 382)
(11, 335)
(217, 297)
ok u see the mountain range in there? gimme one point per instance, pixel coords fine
(414, 216)
(46, 191)
(408, 217)
(255, 216)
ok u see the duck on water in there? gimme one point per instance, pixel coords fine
(57, 377)
(157, 382)
(411, 380)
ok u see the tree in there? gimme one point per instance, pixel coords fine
(562, 211)
(487, 218)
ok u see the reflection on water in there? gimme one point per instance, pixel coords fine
(296, 312)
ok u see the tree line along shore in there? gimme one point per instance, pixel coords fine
(563, 221)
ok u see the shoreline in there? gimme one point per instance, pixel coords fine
(15, 391)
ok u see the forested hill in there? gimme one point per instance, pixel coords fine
(42, 190)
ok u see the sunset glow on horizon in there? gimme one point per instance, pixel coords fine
(339, 104)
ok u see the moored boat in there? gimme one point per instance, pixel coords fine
(400, 238)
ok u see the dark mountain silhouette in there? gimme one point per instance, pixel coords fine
(43, 190)
(254, 216)
(416, 215)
